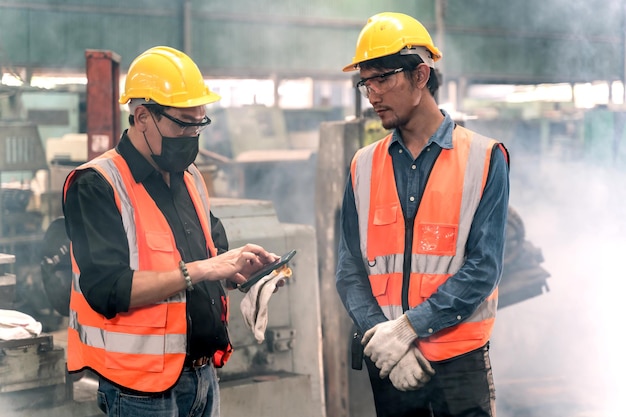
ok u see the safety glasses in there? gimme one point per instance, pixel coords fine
(378, 84)
(188, 128)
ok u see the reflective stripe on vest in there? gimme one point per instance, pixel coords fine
(440, 233)
(143, 349)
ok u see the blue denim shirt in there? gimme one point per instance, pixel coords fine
(457, 298)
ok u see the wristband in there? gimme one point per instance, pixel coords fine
(183, 269)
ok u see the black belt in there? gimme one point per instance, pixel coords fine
(197, 363)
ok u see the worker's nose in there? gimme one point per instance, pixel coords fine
(374, 97)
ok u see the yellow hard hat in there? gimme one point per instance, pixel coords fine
(168, 77)
(388, 33)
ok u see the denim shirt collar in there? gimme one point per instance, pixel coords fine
(442, 137)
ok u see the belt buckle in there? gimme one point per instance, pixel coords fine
(200, 362)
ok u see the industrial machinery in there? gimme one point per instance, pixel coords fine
(260, 160)
(32, 370)
(284, 375)
(23, 214)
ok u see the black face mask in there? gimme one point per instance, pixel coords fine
(176, 153)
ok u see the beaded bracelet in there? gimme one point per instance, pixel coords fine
(185, 272)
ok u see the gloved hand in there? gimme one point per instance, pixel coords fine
(412, 372)
(254, 305)
(387, 342)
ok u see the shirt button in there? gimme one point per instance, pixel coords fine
(400, 151)
(458, 317)
(430, 330)
(412, 198)
(413, 167)
(427, 149)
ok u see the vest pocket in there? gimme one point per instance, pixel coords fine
(162, 249)
(379, 288)
(387, 214)
(436, 238)
(429, 284)
(387, 289)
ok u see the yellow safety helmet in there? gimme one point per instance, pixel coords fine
(388, 33)
(168, 77)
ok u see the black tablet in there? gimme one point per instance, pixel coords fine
(266, 270)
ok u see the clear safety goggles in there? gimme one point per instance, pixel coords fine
(379, 84)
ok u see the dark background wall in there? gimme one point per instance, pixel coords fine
(490, 41)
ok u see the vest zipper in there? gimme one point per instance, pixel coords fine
(189, 326)
(406, 266)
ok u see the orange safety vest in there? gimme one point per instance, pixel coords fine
(143, 349)
(440, 233)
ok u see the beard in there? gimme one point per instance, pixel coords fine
(393, 121)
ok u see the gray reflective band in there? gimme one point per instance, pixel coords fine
(76, 282)
(422, 264)
(202, 191)
(128, 343)
(362, 181)
(127, 209)
(472, 193)
(392, 312)
(487, 310)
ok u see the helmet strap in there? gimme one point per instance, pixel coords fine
(423, 53)
(136, 102)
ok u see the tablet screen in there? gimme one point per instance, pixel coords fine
(267, 269)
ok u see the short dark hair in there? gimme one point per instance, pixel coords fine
(409, 62)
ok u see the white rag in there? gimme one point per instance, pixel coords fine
(254, 306)
(16, 325)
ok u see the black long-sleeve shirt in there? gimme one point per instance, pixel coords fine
(94, 225)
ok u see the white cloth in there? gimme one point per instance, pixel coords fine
(254, 306)
(16, 325)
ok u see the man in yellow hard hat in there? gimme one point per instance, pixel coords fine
(422, 235)
(148, 310)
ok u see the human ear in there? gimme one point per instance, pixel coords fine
(141, 118)
(422, 74)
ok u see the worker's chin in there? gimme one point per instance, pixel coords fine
(389, 124)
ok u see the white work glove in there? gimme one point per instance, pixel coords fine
(387, 342)
(254, 305)
(412, 372)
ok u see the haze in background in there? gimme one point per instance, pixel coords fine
(560, 354)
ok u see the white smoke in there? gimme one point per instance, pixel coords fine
(559, 354)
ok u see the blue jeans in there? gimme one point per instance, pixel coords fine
(196, 394)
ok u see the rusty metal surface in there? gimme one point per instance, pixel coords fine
(103, 110)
